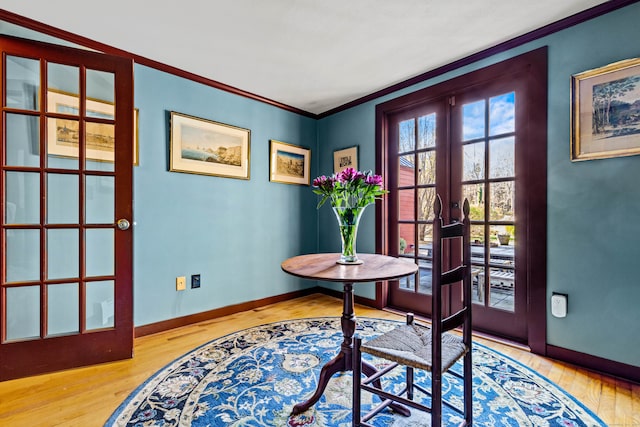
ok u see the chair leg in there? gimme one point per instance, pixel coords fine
(409, 383)
(436, 399)
(357, 373)
(409, 318)
(468, 388)
(409, 372)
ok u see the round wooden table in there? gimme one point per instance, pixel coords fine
(324, 267)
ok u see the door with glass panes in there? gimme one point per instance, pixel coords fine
(66, 203)
(467, 143)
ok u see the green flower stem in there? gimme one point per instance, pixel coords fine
(348, 220)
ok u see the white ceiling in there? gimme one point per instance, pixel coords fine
(314, 55)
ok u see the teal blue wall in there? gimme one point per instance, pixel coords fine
(233, 232)
(593, 206)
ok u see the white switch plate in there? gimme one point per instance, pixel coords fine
(559, 305)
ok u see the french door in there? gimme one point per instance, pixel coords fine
(467, 139)
(66, 206)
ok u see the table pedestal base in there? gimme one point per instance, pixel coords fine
(343, 361)
(337, 364)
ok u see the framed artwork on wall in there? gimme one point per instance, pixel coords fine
(100, 138)
(289, 164)
(605, 112)
(206, 147)
(345, 158)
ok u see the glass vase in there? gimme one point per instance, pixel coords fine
(348, 220)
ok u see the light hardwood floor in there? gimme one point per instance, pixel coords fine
(86, 397)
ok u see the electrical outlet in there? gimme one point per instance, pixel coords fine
(559, 304)
(195, 281)
(181, 283)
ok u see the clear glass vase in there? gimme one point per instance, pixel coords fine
(348, 220)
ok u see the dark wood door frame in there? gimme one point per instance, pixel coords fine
(531, 67)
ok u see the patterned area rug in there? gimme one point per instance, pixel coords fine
(254, 377)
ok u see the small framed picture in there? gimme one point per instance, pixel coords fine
(289, 164)
(604, 115)
(345, 158)
(206, 147)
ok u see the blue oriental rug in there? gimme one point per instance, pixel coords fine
(254, 377)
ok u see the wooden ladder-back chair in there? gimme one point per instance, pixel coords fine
(433, 349)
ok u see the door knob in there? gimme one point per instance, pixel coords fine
(123, 224)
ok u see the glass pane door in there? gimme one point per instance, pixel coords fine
(486, 169)
(59, 172)
(480, 136)
(417, 159)
(488, 181)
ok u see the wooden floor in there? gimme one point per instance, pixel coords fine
(87, 396)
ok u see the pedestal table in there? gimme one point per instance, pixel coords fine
(324, 267)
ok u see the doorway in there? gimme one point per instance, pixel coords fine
(66, 202)
(481, 136)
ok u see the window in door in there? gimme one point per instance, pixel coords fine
(416, 191)
(488, 182)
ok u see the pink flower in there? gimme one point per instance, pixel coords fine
(319, 181)
(373, 180)
(324, 183)
(347, 175)
(349, 188)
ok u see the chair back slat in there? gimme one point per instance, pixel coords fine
(452, 230)
(454, 276)
(454, 321)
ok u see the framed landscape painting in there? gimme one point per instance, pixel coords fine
(289, 163)
(605, 113)
(206, 147)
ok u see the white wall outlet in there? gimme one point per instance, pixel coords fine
(181, 283)
(559, 305)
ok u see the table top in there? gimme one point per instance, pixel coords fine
(324, 267)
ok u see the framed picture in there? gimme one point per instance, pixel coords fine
(100, 139)
(604, 116)
(206, 147)
(289, 163)
(345, 158)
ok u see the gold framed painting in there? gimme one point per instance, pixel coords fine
(100, 138)
(605, 112)
(289, 164)
(205, 147)
(345, 158)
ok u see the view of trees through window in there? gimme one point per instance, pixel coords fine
(422, 154)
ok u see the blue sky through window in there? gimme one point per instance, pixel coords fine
(502, 113)
(501, 120)
(501, 116)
